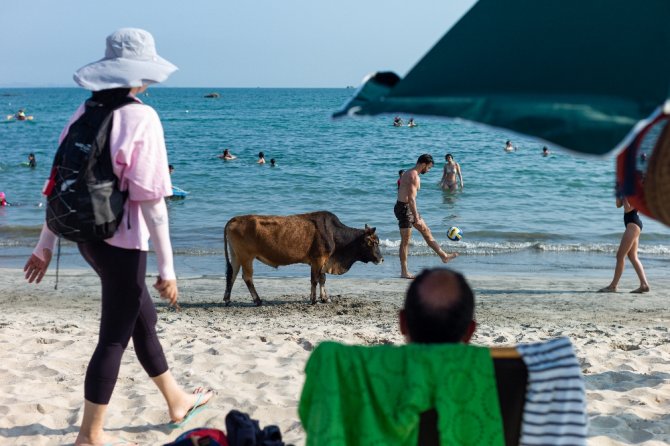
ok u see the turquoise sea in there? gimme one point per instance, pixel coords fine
(520, 213)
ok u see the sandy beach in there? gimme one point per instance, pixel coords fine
(253, 357)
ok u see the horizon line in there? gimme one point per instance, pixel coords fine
(349, 87)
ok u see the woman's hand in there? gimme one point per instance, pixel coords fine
(168, 290)
(35, 267)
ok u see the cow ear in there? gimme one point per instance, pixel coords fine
(369, 230)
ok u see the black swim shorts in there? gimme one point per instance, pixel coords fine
(404, 215)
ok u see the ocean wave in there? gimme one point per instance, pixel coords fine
(421, 248)
(198, 252)
(19, 235)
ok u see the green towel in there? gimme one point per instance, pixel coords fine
(355, 395)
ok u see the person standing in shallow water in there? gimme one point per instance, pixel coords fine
(450, 174)
(628, 247)
(408, 215)
(139, 157)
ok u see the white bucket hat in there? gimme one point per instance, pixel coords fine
(130, 61)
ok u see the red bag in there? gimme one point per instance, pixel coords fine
(201, 436)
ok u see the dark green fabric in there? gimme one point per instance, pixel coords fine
(355, 395)
(578, 73)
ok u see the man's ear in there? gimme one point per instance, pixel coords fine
(472, 326)
(402, 320)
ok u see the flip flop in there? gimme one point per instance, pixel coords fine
(193, 411)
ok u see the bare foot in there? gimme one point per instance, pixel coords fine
(183, 411)
(407, 276)
(642, 289)
(448, 257)
(607, 289)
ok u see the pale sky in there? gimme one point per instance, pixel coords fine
(219, 43)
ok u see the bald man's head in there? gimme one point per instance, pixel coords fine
(439, 308)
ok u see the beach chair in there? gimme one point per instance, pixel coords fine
(511, 380)
(364, 395)
(541, 396)
(470, 395)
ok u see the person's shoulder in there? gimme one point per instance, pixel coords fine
(139, 110)
(138, 113)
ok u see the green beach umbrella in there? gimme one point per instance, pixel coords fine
(581, 74)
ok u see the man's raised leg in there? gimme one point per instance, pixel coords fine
(428, 236)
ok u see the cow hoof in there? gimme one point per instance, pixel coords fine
(226, 303)
(325, 301)
(312, 302)
(258, 302)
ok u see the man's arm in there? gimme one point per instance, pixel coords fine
(411, 196)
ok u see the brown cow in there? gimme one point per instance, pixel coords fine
(318, 239)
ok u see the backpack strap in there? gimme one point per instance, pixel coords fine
(104, 163)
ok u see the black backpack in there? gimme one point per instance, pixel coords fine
(84, 202)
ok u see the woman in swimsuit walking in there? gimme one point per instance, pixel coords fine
(451, 170)
(628, 247)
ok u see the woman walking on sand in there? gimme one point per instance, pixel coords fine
(451, 170)
(628, 247)
(139, 157)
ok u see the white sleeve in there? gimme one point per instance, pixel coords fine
(47, 240)
(156, 217)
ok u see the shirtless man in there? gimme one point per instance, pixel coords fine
(407, 214)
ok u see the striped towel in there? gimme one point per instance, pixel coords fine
(555, 409)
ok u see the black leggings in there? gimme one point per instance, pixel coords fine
(127, 311)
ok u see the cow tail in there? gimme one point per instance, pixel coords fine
(229, 266)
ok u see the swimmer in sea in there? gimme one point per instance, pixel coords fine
(545, 151)
(273, 163)
(628, 248)
(261, 158)
(509, 147)
(226, 155)
(451, 170)
(411, 123)
(397, 122)
(32, 162)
